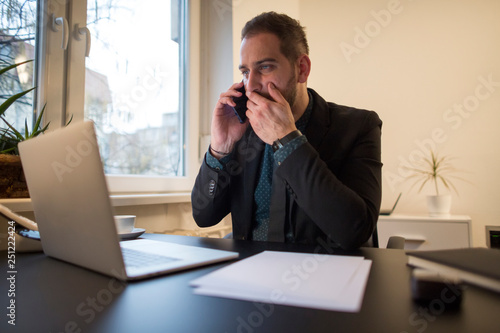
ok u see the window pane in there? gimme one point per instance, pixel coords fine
(17, 44)
(132, 85)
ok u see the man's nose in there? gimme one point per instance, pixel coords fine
(253, 82)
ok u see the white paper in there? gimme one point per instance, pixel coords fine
(320, 281)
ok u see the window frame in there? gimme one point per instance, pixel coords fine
(61, 75)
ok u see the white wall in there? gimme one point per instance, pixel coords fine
(416, 63)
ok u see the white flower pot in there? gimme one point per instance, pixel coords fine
(439, 205)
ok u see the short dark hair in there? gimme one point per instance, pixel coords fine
(292, 36)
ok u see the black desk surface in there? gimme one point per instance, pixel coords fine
(53, 296)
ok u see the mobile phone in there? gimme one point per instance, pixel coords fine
(241, 105)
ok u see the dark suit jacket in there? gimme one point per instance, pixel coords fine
(329, 189)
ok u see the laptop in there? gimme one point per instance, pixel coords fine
(390, 211)
(73, 211)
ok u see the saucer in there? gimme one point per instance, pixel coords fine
(133, 234)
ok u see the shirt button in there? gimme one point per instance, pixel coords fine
(211, 187)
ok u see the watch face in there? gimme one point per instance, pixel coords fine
(276, 145)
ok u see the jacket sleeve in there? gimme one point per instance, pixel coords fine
(209, 197)
(340, 191)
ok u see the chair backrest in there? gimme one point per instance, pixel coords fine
(394, 242)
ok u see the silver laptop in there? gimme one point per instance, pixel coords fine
(390, 211)
(72, 207)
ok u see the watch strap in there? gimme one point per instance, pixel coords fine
(287, 138)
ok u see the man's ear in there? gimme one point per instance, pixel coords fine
(304, 66)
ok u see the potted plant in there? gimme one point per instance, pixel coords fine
(12, 182)
(435, 170)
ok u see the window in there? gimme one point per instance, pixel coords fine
(17, 44)
(133, 84)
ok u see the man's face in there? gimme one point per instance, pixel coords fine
(262, 62)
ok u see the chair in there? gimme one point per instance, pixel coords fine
(394, 242)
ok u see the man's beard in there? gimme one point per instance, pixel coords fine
(290, 93)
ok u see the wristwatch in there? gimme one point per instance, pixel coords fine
(287, 138)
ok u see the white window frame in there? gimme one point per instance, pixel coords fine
(61, 77)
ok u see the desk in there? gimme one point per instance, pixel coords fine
(52, 296)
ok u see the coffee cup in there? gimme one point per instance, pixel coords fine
(124, 223)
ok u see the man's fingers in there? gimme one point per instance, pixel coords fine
(227, 96)
(275, 93)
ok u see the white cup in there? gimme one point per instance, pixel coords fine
(124, 223)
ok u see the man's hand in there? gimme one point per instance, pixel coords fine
(226, 128)
(270, 119)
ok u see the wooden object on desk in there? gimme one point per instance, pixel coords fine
(425, 232)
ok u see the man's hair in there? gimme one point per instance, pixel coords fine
(292, 36)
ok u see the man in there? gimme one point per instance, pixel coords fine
(299, 169)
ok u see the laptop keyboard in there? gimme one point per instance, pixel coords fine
(135, 258)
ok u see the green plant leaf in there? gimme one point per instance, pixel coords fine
(36, 129)
(8, 151)
(69, 121)
(10, 136)
(8, 68)
(5, 105)
(26, 130)
(14, 136)
(37, 132)
(13, 132)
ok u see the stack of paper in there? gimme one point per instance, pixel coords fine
(321, 281)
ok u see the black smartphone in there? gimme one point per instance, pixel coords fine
(241, 105)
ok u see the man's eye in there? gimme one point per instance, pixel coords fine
(266, 68)
(244, 73)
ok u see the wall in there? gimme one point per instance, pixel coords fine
(431, 71)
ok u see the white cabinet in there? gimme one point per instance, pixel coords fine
(426, 233)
